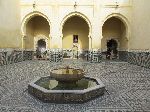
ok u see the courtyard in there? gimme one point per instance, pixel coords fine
(128, 87)
(70, 51)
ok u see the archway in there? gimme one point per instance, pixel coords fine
(37, 28)
(28, 17)
(114, 31)
(75, 34)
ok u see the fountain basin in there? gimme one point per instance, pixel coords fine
(47, 89)
(67, 74)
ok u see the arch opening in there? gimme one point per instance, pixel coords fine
(114, 32)
(28, 17)
(75, 32)
(37, 28)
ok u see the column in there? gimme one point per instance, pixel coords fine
(23, 41)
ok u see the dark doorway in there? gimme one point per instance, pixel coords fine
(41, 48)
(42, 43)
(112, 51)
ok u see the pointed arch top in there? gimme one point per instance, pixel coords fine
(79, 15)
(121, 18)
(30, 16)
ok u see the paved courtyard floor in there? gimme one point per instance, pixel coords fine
(128, 86)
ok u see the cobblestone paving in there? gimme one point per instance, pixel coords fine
(128, 87)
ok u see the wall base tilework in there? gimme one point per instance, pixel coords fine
(68, 53)
(134, 57)
(28, 55)
(14, 56)
(9, 57)
(94, 56)
(123, 55)
(139, 58)
(55, 55)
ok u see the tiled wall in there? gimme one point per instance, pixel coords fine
(11, 56)
(14, 56)
(139, 58)
(56, 55)
(123, 55)
(28, 55)
(94, 56)
(67, 53)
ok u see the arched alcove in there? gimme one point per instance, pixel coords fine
(84, 20)
(115, 29)
(37, 25)
(75, 31)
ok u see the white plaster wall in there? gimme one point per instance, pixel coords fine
(104, 9)
(96, 11)
(140, 39)
(10, 36)
(136, 13)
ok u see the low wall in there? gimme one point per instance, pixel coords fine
(139, 58)
(10, 56)
(93, 55)
(123, 55)
(28, 55)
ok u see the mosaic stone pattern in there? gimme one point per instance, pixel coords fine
(84, 55)
(55, 55)
(94, 56)
(123, 55)
(9, 57)
(128, 87)
(139, 58)
(14, 56)
(67, 53)
(28, 55)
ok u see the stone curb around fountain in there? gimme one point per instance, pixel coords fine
(66, 96)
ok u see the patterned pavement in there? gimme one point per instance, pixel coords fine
(128, 87)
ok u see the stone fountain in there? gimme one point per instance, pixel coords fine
(66, 85)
